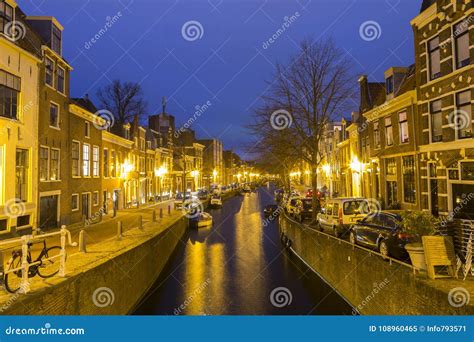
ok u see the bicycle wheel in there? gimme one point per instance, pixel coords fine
(12, 280)
(50, 262)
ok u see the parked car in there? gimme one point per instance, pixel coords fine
(291, 205)
(339, 214)
(309, 193)
(382, 231)
(180, 199)
(203, 195)
(216, 201)
(270, 210)
(304, 209)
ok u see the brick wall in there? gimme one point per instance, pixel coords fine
(368, 282)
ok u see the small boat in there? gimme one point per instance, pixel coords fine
(204, 220)
(216, 201)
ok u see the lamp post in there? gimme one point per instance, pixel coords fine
(160, 173)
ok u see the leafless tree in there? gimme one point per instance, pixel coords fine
(307, 93)
(124, 100)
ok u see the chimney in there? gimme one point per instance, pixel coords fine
(364, 94)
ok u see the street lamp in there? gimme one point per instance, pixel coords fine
(160, 173)
(195, 174)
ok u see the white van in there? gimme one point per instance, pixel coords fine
(339, 214)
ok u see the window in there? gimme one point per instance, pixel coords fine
(21, 175)
(389, 85)
(142, 164)
(54, 165)
(75, 202)
(23, 221)
(376, 134)
(461, 44)
(44, 164)
(60, 74)
(3, 223)
(409, 191)
(127, 133)
(49, 71)
(436, 121)
(56, 40)
(75, 158)
(391, 167)
(142, 144)
(388, 131)
(95, 198)
(463, 115)
(403, 121)
(95, 161)
(6, 15)
(113, 167)
(434, 58)
(87, 129)
(106, 162)
(54, 115)
(9, 95)
(86, 163)
(335, 211)
(329, 210)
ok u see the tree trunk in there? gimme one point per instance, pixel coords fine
(314, 185)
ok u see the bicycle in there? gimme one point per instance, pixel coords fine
(45, 265)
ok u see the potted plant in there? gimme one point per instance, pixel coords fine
(418, 224)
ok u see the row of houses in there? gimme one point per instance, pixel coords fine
(410, 145)
(62, 161)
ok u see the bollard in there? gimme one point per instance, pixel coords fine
(25, 284)
(119, 230)
(140, 222)
(82, 242)
(169, 210)
(62, 254)
(161, 213)
(153, 215)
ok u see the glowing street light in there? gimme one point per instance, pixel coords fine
(127, 167)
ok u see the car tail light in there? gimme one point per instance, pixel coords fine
(404, 236)
(341, 221)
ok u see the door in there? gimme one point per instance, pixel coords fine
(391, 193)
(116, 199)
(434, 197)
(86, 205)
(104, 201)
(48, 212)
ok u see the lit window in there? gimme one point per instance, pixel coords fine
(436, 121)
(44, 164)
(75, 156)
(461, 44)
(95, 161)
(21, 175)
(86, 164)
(388, 131)
(54, 115)
(404, 136)
(434, 58)
(54, 165)
(106, 162)
(113, 167)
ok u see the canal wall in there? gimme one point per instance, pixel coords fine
(370, 284)
(112, 285)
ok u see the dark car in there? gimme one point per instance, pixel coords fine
(270, 210)
(382, 231)
(304, 209)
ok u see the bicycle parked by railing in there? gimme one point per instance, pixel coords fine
(45, 265)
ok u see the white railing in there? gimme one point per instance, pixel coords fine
(25, 240)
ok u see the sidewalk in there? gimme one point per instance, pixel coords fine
(101, 243)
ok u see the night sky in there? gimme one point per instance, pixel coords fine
(228, 65)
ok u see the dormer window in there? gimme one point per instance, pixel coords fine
(56, 40)
(389, 85)
(6, 15)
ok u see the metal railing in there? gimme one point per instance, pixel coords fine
(25, 240)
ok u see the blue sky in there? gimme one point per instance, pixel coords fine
(227, 65)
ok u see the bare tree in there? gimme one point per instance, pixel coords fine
(307, 93)
(124, 100)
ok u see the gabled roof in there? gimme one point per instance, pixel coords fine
(85, 103)
(408, 83)
(376, 93)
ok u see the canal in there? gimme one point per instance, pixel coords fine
(238, 267)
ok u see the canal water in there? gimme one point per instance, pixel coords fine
(238, 267)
